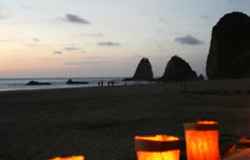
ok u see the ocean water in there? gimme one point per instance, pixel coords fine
(12, 84)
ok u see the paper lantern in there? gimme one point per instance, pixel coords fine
(69, 158)
(239, 150)
(159, 147)
(202, 140)
(243, 142)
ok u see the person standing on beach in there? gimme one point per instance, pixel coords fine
(112, 83)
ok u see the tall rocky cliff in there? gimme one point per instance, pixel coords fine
(229, 53)
(178, 69)
(143, 71)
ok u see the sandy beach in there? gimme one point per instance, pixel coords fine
(101, 122)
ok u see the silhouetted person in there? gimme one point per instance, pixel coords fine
(99, 83)
(102, 83)
(112, 83)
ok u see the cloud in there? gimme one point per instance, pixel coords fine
(75, 19)
(36, 39)
(58, 52)
(85, 63)
(206, 17)
(94, 35)
(162, 19)
(159, 31)
(137, 56)
(73, 48)
(37, 45)
(26, 6)
(165, 20)
(111, 44)
(236, 1)
(2, 17)
(188, 40)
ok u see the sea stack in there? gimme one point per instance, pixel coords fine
(70, 81)
(143, 71)
(178, 69)
(229, 53)
(36, 83)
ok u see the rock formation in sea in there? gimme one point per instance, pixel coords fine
(143, 71)
(178, 69)
(229, 53)
(34, 83)
(75, 82)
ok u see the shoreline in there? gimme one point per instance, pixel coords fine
(102, 121)
(71, 88)
(21, 84)
(208, 84)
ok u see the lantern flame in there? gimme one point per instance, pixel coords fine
(160, 138)
(207, 122)
(69, 158)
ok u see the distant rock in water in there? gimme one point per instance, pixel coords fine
(143, 71)
(37, 83)
(229, 53)
(76, 82)
(178, 69)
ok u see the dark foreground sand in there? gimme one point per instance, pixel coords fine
(100, 123)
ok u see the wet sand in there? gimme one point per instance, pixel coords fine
(101, 122)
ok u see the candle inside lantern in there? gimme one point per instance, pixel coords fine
(202, 140)
(159, 147)
(69, 158)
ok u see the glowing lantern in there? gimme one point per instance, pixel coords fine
(240, 150)
(69, 158)
(243, 142)
(159, 147)
(202, 140)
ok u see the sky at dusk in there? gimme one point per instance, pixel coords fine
(105, 38)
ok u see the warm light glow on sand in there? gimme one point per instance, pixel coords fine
(171, 154)
(202, 141)
(69, 158)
